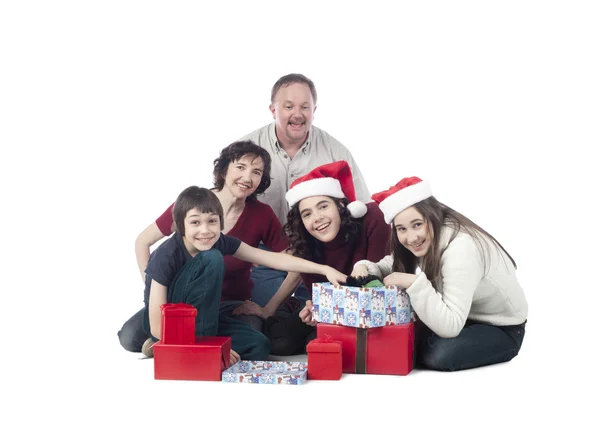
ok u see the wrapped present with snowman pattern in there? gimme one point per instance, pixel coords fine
(361, 307)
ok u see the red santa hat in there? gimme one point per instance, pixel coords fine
(402, 195)
(334, 180)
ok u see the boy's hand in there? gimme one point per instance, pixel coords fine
(306, 315)
(334, 276)
(234, 357)
(360, 271)
(250, 308)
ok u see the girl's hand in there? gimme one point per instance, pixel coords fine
(306, 315)
(402, 280)
(334, 276)
(234, 357)
(360, 271)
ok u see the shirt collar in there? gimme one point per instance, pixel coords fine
(275, 142)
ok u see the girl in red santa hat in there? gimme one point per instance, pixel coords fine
(460, 280)
(327, 224)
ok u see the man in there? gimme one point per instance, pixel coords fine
(296, 147)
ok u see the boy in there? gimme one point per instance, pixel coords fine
(188, 268)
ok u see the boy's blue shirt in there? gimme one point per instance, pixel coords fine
(170, 257)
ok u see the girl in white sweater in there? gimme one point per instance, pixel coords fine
(461, 281)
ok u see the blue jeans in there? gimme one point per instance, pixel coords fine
(477, 345)
(199, 283)
(268, 280)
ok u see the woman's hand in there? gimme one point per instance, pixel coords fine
(334, 276)
(306, 315)
(360, 271)
(402, 280)
(250, 308)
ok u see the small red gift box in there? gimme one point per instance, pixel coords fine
(385, 351)
(324, 359)
(178, 323)
(202, 361)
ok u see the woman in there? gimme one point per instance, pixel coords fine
(466, 293)
(327, 226)
(240, 173)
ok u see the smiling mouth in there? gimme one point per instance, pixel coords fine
(418, 247)
(205, 240)
(243, 186)
(322, 227)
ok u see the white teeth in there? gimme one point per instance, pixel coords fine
(322, 227)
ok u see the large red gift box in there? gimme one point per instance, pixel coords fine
(324, 359)
(202, 361)
(384, 351)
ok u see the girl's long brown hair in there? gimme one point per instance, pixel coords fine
(437, 215)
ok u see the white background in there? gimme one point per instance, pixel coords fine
(109, 109)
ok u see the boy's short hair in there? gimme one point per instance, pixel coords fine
(195, 197)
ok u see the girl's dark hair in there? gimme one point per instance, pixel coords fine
(195, 197)
(306, 246)
(437, 215)
(233, 153)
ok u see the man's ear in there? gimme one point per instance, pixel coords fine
(272, 109)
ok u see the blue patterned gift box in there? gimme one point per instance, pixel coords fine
(266, 372)
(360, 307)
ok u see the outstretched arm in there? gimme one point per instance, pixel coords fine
(285, 262)
(150, 236)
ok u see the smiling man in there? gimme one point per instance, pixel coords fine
(296, 147)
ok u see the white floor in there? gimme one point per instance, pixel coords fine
(116, 395)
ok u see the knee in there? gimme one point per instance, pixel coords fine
(261, 347)
(213, 257)
(129, 339)
(439, 354)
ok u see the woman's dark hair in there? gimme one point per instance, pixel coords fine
(306, 246)
(195, 197)
(437, 215)
(233, 153)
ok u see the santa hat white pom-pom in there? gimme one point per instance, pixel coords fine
(357, 209)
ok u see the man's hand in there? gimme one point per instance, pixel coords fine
(234, 357)
(306, 315)
(402, 280)
(334, 276)
(250, 308)
(360, 271)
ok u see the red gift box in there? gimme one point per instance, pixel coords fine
(202, 361)
(324, 359)
(385, 351)
(178, 323)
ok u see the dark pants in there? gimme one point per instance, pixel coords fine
(476, 345)
(287, 333)
(199, 284)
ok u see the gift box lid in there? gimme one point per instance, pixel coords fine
(323, 345)
(178, 309)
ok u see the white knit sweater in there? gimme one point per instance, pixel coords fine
(494, 297)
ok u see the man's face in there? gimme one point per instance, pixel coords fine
(293, 112)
